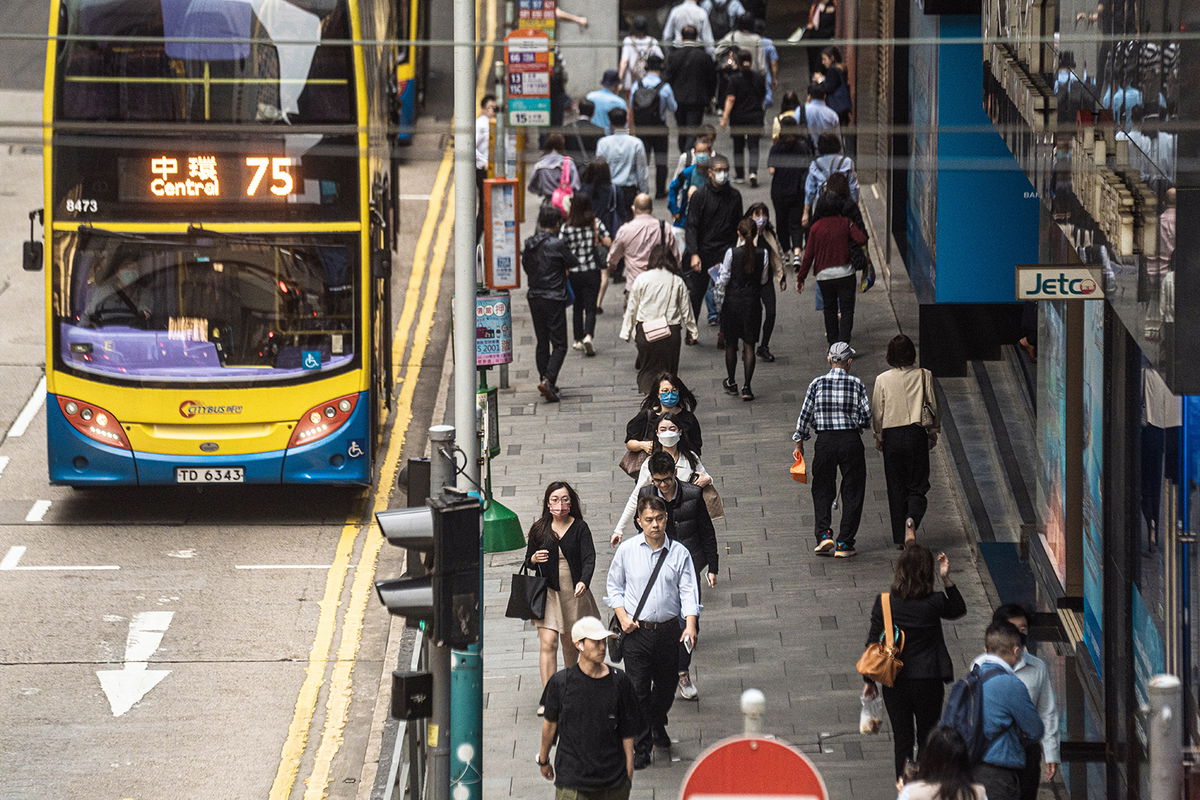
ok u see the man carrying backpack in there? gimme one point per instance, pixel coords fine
(651, 98)
(992, 710)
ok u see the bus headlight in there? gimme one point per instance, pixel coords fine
(94, 422)
(322, 420)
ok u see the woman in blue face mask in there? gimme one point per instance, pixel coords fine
(670, 396)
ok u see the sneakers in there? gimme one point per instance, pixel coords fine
(588, 347)
(729, 386)
(826, 544)
(687, 689)
(765, 353)
(739, 179)
(577, 346)
(753, 180)
(844, 550)
(541, 711)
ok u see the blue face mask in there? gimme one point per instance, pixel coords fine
(668, 399)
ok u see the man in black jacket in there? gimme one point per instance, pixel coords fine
(582, 135)
(689, 524)
(693, 75)
(547, 259)
(713, 215)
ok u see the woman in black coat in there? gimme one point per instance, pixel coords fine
(561, 531)
(914, 704)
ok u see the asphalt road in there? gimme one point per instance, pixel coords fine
(185, 643)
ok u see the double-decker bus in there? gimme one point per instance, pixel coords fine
(217, 245)
(411, 63)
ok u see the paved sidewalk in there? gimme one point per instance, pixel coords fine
(780, 620)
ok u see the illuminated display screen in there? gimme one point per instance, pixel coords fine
(200, 176)
(299, 178)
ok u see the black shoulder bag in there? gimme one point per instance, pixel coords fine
(616, 645)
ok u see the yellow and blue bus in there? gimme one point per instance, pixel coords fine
(411, 66)
(218, 205)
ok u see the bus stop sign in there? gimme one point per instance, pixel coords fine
(753, 767)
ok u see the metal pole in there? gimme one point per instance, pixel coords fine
(441, 473)
(1166, 737)
(467, 695)
(754, 707)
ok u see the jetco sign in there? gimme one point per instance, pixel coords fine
(1052, 282)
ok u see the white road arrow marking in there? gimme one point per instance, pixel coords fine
(125, 687)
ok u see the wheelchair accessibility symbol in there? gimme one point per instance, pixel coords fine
(355, 449)
(311, 359)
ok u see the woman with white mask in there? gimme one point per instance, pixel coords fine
(672, 439)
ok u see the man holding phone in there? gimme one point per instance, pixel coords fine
(651, 585)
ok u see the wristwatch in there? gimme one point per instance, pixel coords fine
(541, 763)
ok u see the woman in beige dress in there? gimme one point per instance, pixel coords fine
(561, 551)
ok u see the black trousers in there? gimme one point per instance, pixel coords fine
(913, 707)
(767, 296)
(837, 295)
(586, 286)
(741, 143)
(1030, 778)
(480, 175)
(550, 331)
(834, 451)
(656, 147)
(625, 195)
(1000, 783)
(906, 469)
(688, 119)
(655, 358)
(789, 210)
(652, 663)
(697, 285)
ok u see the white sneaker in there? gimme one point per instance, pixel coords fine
(577, 346)
(588, 347)
(687, 689)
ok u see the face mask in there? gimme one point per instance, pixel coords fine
(702, 158)
(760, 222)
(668, 438)
(719, 177)
(668, 399)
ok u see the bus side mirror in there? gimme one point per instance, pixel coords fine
(31, 256)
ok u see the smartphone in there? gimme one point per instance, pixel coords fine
(688, 645)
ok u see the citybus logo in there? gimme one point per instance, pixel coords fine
(190, 408)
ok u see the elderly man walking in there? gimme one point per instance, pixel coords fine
(592, 712)
(836, 407)
(637, 237)
(651, 586)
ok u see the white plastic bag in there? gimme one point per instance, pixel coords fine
(870, 719)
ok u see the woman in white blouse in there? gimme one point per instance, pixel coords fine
(671, 439)
(656, 314)
(897, 401)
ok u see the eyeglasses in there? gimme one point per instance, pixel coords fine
(559, 502)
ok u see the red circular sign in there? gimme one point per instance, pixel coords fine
(751, 766)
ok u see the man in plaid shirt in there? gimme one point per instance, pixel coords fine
(836, 407)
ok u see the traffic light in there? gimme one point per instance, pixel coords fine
(447, 599)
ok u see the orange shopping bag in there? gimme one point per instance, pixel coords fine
(799, 471)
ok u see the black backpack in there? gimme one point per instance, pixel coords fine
(646, 105)
(718, 20)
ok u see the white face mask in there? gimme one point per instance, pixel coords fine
(668, 438)
(719, 177)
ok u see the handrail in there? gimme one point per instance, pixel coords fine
(407, 770)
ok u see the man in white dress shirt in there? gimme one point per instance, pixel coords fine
(652, 636)
(483, 135)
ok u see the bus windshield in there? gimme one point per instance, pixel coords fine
(217, 309)
(262, 61)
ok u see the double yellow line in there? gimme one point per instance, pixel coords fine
(428, 268)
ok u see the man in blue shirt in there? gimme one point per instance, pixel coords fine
(836, 407)
(606, 98)
(1008, 714)
(817, 115)
(626, 157)
(649, 614)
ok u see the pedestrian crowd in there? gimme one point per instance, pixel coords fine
(597, 226)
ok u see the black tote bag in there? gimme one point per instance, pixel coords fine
(526, 595)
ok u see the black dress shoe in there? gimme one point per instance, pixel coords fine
(765, 353)
(641, 760)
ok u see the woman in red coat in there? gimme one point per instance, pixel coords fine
(827, 254)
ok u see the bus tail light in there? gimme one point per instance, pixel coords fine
(94, 422)
(322, 420)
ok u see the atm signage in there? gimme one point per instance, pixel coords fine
(1050, 282)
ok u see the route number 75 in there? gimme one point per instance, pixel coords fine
(282, 182)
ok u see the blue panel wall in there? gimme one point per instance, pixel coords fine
(987, 211)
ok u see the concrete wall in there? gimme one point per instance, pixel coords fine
(585, 65)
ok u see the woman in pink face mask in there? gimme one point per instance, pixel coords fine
(561, 551)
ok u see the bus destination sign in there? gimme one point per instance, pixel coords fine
(199, 177)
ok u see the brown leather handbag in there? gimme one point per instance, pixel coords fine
(881, 660)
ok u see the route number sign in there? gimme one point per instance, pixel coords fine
(527, 67)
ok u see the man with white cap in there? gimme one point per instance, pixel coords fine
(592, 711)
(836, 407)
